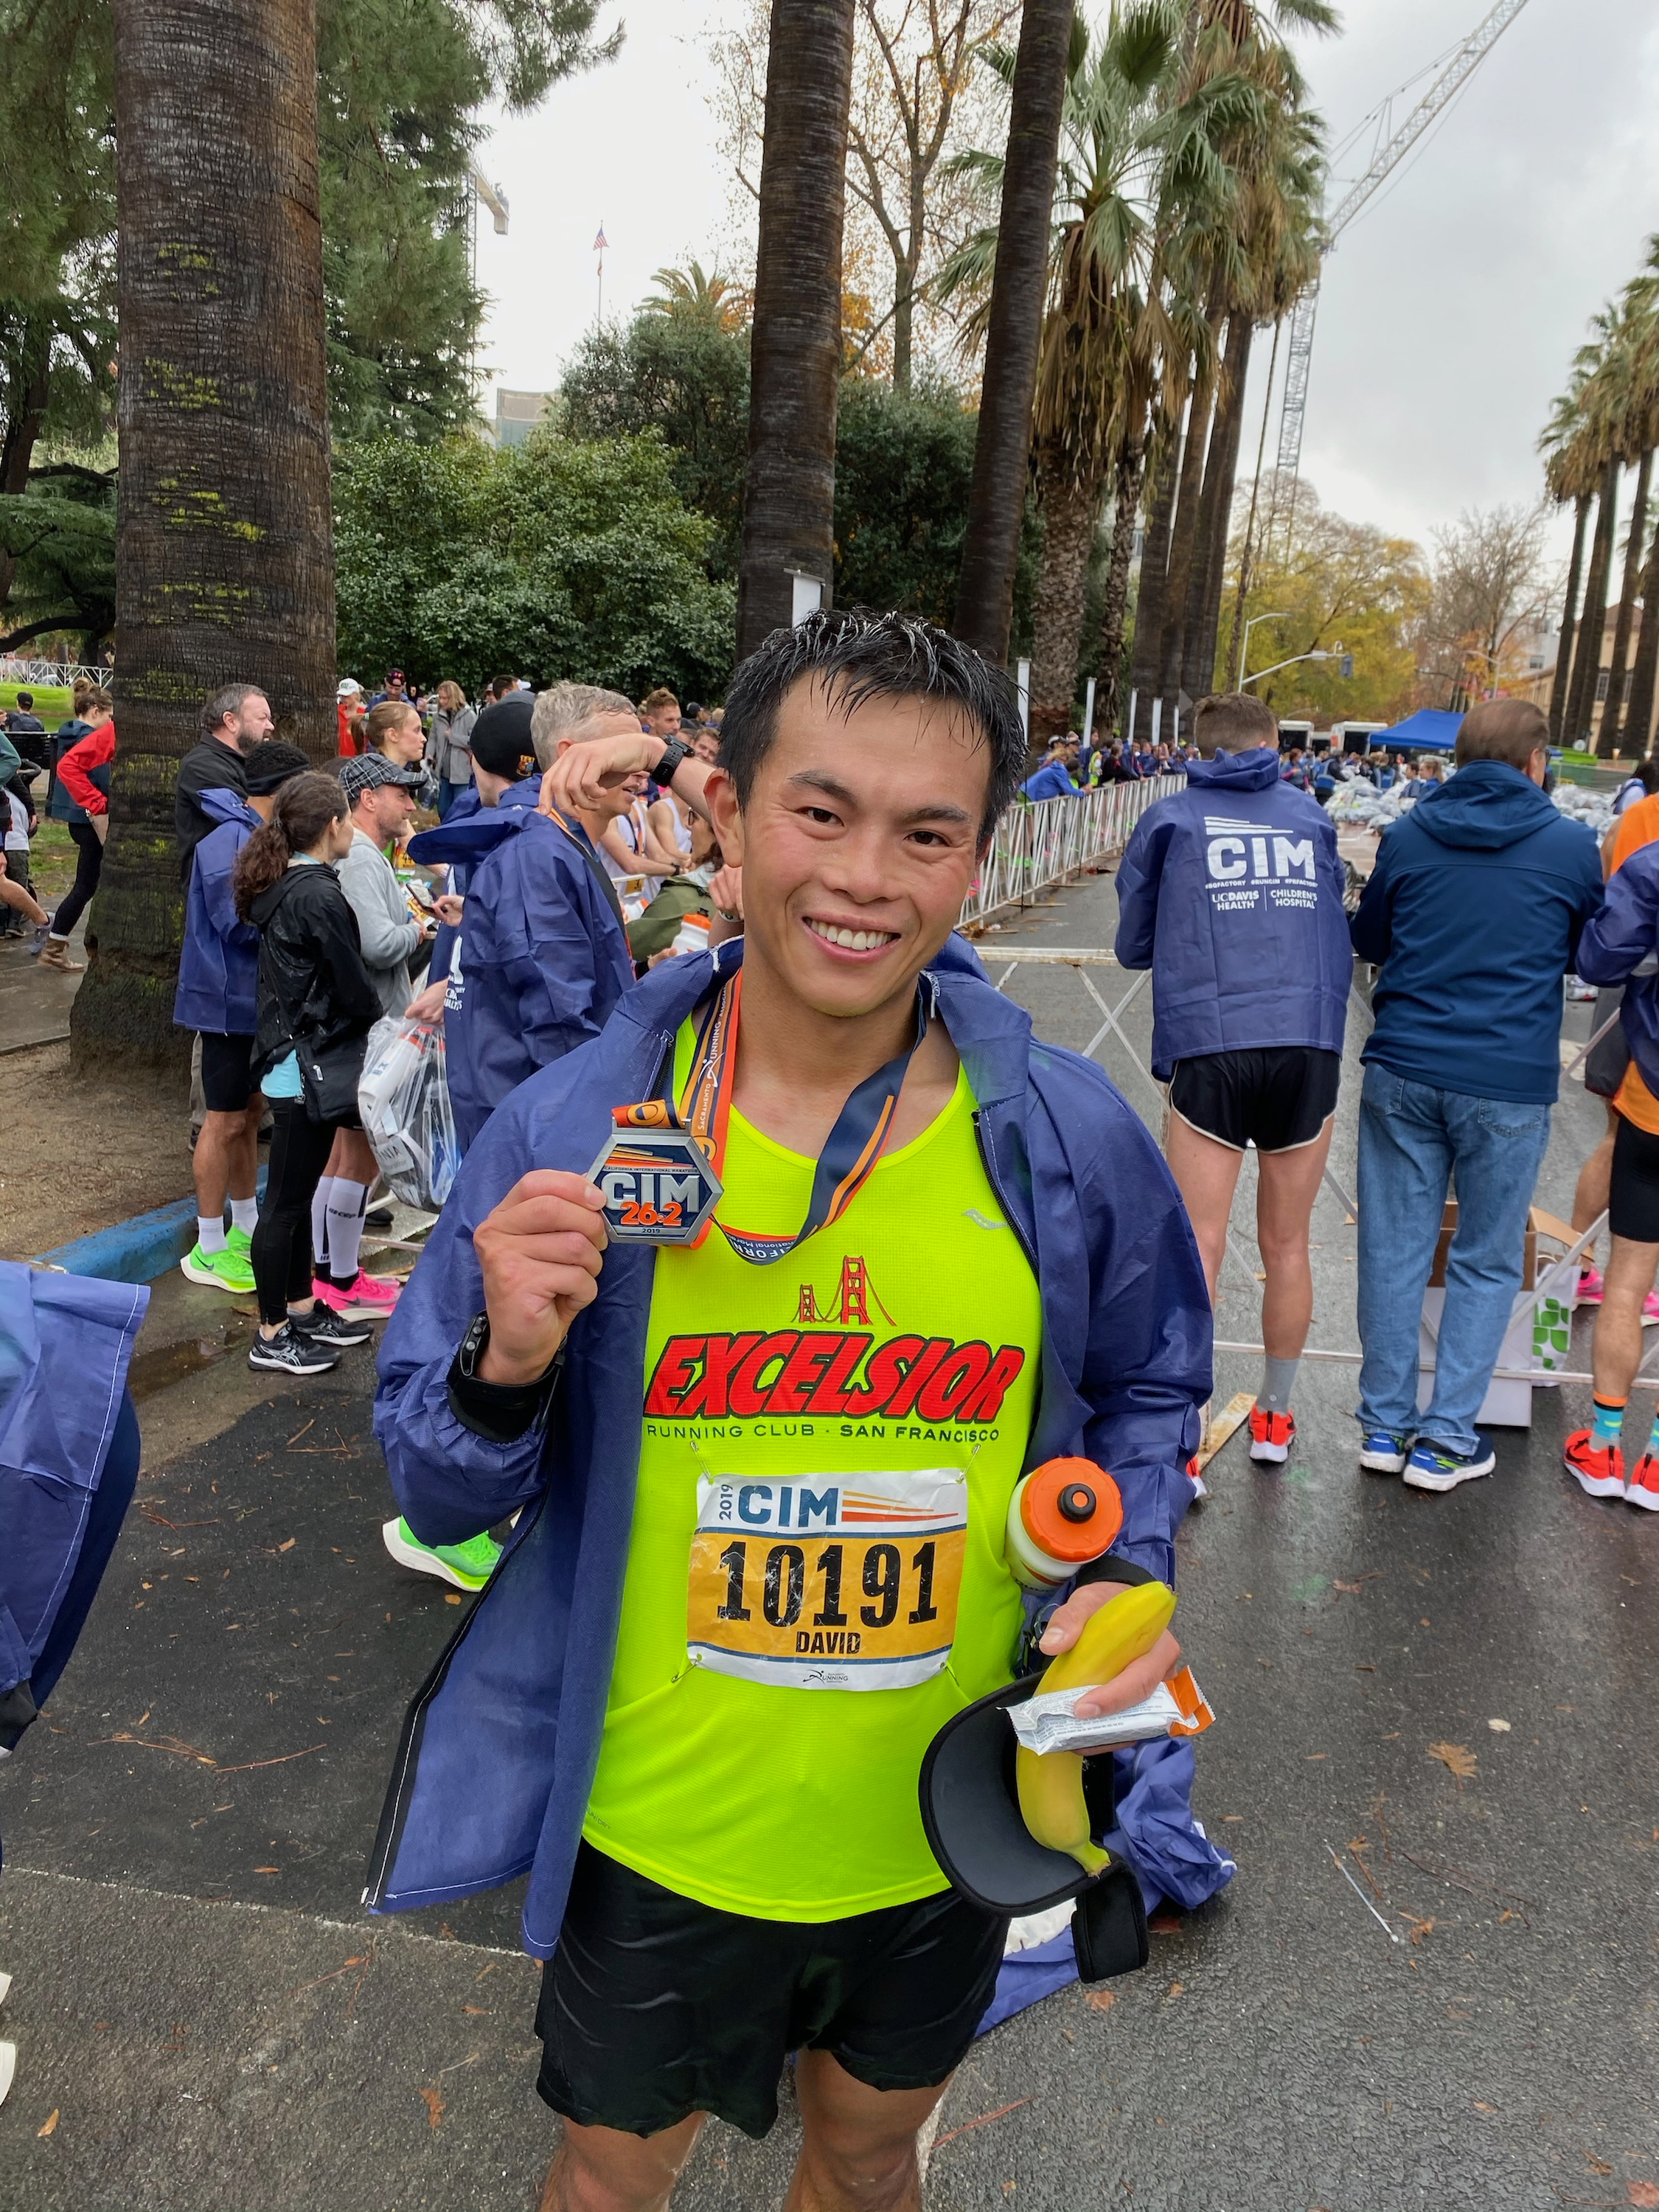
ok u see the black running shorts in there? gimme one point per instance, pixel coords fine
(654, 2007)
(1276, 1099)
(1633, 1195)
(227, 1071)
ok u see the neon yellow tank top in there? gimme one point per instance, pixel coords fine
(815, 1578)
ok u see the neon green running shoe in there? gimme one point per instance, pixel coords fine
(239, 1241)
(219, 1271)
(468, 1566)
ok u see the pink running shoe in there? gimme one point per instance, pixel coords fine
(371, 1297)
(1651, 1310)
(1589, 1292)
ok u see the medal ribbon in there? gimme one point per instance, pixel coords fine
(850, 1152)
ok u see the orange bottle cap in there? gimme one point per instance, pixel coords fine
(1071, 1510)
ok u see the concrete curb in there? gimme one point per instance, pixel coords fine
(135, 1251)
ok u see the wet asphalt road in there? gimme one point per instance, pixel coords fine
(215, 2025)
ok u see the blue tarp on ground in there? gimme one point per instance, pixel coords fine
(1427, 731)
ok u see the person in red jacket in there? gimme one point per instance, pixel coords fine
(83, 771)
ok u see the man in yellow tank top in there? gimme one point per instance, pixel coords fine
(834, 1392)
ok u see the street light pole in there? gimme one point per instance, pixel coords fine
(1336, 654)
(1245, 657)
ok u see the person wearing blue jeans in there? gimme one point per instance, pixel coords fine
(1414, 1139)
(1472, 917)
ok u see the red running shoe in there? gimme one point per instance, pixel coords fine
(1271, 1435)
(1598, 1468)
(1644, 1489)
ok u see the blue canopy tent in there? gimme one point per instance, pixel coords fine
(1427, 731)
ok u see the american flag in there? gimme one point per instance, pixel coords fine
(600, 242)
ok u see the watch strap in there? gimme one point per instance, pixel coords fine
(501, 1412)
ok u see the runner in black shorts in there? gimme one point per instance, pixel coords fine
(1232, 893)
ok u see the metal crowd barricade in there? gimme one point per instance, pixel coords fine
(1010, 959)
(49, 673)
(1036, 845)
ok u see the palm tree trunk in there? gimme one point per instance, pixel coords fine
(1071, 513)
(1612, 715)
(1638, 718)
(1152, 597)
(1215, 513)
(1236, 642)
(224, 545)
(1587, 660)
(26, 401)
(996, 500)
(789, 487)
(1569, 617)
(1183, 536)
(1109, 652)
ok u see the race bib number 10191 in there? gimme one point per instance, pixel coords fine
(827, 1582)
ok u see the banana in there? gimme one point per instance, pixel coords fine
(1050, 1783)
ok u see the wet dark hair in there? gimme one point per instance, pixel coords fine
(303, 810)
(853, 655)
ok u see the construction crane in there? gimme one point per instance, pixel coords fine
(1390, 152)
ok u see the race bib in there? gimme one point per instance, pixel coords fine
(827, 1582)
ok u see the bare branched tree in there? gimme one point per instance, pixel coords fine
(915, 101)
(1492, 580)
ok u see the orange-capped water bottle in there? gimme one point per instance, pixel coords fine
(1064, 1514)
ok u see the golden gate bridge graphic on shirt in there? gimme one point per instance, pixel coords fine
(851, 1300)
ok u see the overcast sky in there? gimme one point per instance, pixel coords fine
(1449, 311)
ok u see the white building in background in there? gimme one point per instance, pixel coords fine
(517, 414)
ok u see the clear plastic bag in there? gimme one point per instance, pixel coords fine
(403, 1100)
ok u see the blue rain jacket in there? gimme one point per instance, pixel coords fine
(498, 1750)
(65, 1342)
(1050, 781)
(1614, 945)
(1230, 891)
(462, 856)
(543, 956)
(1473, 914)
(219, 963)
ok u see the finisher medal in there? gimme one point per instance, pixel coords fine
(659, 1186)
(659, 1172)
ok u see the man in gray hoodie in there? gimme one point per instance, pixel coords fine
(382, 796)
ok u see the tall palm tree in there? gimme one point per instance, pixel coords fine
(225, 564)
(1014, 329)
(703, 295)
(1130, 155)
(789, 486)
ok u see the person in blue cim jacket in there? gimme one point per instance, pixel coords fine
(542, 954)
(1051, 781)
(1472, 916)
(217, 965)
(1230, 892)
(890, 1138)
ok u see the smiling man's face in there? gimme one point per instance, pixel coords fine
(857, 846)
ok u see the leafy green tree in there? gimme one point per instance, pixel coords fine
(59, 536)
(560, 558)
(679, 370)
(904, 463)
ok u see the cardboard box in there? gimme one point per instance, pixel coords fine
(1537, 1336)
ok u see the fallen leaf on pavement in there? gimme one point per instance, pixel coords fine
(51, 2121)
(288, 1547)
(1348, 1590)
(1458, 1756)
(1596, 2165)
(1099, 2000)
(1639, 2192)
(1420, 1928)
(433, 2097)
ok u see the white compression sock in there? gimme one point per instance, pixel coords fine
(346, 1202)
(244, 1214)
(211, 1236)
(320, 1223)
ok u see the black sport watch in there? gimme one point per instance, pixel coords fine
(502, 1412)
(675, 753)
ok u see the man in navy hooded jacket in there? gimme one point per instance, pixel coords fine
(1230, 892)
(1472, 916)
(217, 966)
(691, 1887)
